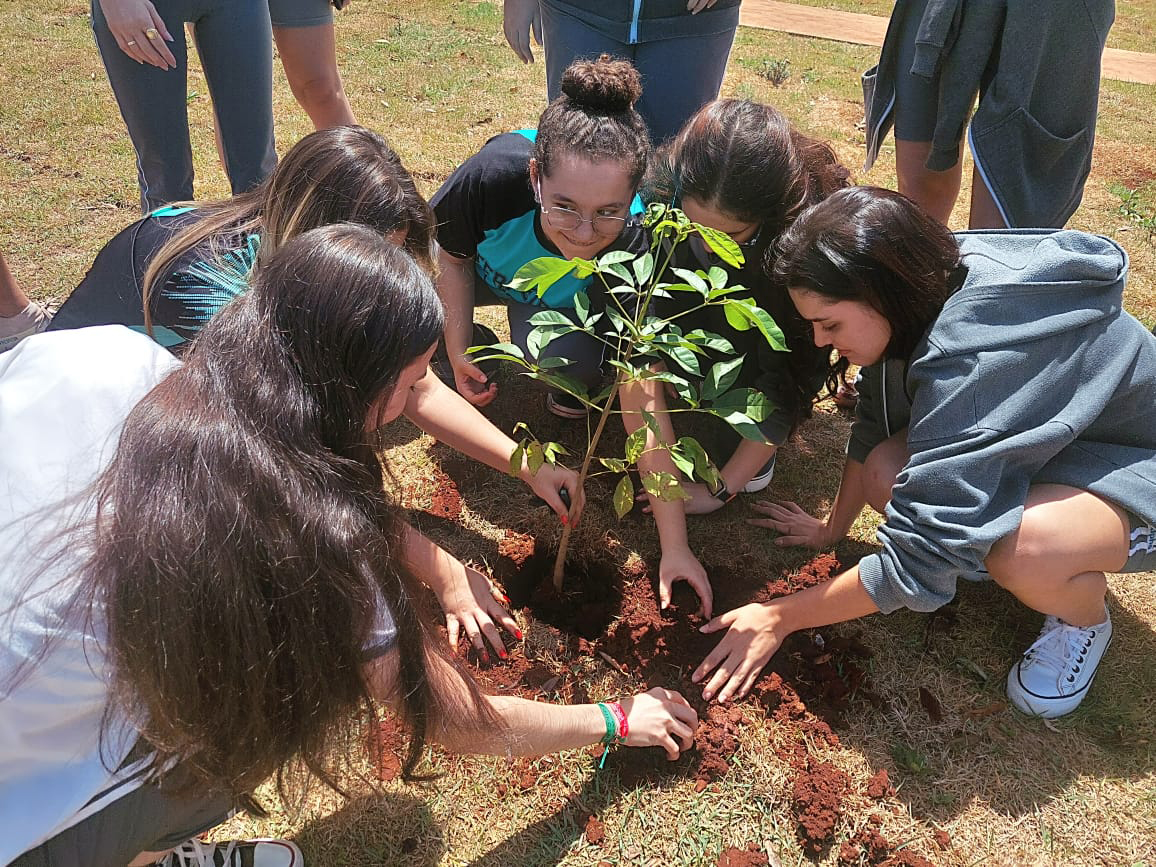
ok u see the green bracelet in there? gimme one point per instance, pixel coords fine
(611, 724)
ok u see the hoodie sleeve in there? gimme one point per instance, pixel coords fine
(967, 480)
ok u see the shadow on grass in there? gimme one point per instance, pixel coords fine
(385, 828)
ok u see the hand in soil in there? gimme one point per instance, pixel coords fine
(660, 718)
(549, 482)
(469, 603)
(472, 384)
(682, 565)
(751, 640)
(795, 526)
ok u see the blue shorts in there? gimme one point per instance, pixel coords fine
(300, 13)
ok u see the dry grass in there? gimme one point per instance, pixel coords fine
(436, 76)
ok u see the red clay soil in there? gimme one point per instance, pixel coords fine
(386, 745)
(595, 832)
(879, 786)
(871, 846)
(809, 684)
(748, 857)
(445, 502)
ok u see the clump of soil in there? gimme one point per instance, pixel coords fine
(942, 838)
(817, 803)
(751, 856)
(445, 502)
(879, 786)
(868, 844)
(595, 831)
(385, 745)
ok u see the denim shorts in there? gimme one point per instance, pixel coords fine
(300, 13)
(1141, 545)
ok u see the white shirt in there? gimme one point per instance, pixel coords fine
(64, 397)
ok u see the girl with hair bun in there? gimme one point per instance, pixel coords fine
(203, 583)
(741, 168)
(566, 189)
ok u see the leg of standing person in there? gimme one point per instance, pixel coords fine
(566, 39)
(153, 104)
(679, 76)
(307, 44)
(234, 38)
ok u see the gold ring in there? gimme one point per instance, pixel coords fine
(151, 33)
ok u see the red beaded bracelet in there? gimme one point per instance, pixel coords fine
(620, 718)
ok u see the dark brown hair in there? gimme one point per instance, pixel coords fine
(594, 118)
(745, 159)
(243, 543)
(338, 175)
(875, 246)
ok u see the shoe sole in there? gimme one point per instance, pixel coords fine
(566, 412)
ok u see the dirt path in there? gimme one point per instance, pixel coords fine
(870, 29)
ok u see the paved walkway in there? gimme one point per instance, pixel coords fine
(870, 30)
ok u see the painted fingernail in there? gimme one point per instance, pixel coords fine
(565, 519)
(506, 599)
(502, 654)
(518, 634)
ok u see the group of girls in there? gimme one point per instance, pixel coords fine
(203, 579)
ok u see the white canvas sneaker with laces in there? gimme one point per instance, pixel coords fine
(1054, 675)
(234, 853)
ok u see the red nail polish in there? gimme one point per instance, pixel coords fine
(506, 599)
(565, 519)
(518, 634)
(502, 654)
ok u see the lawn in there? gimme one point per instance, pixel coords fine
(437, 78)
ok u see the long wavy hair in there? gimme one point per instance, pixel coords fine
(873, 245)
(338, 175)
(244, 548)
(745, 159)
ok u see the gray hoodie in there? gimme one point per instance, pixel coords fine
(1031, 374)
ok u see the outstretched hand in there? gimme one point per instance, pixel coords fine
(754, 633)
(795, 526)
(471, 605)
(660, 718)
(682, 565)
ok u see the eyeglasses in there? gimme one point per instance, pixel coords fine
(567, 219)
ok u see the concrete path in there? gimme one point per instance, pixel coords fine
(870, 29)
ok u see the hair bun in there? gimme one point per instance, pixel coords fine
(602, 86)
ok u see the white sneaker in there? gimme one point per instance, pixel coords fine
(1054, 675)
(31, 320)
(234, 853)
(763, 479)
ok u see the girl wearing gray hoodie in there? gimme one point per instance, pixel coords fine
(1029, 450)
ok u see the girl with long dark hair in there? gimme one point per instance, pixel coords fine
(1025, 406)
(741, 168)
(202, 580)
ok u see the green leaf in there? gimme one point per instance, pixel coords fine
(717, 277)
(643, 268)
(749, 401)
(744, 310)
(616, 320)
(664, 486)
(685, 359)
(613, 257)
(538, 275)
(694, 278)
(616, 465)
(651, 422)
(623, 496)
(551, 317)
(563, 382)
(704, 467)
(710, 340)
(722, 244)
(684, 463)
(552, 361)
(726, 290)
(678, 287)
(721, 376)
(619, 270)
(535, 457)
(516, 459)
(635, 445)
(582, 306)
(502, 348)
(552, 450)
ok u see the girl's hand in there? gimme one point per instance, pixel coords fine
(696, 6)
(795, 526)
(701, 502)
(139, 31)
(660, 718)
(519, 18)
(549, 481)
(754, 633)
(682, 565)
(472, 384)
(471, 603)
